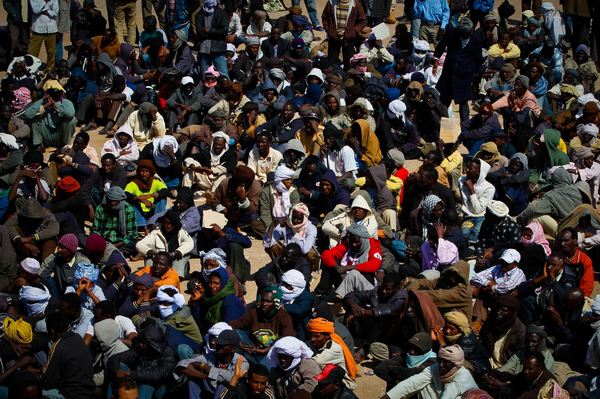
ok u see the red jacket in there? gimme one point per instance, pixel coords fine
(587, 280)
(355, 23)
(333, 256)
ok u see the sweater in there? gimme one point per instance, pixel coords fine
(333, 256)
(279, 325)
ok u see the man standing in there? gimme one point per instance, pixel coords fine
(44, 29)
(18, 26)
(434, 16)
(125, 12)
(212, 26)
(343, 20)
(464, 51)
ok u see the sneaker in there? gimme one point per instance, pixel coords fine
(88, 127)
(318, 28)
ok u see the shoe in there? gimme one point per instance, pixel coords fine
(104, 131)
(318, 28)
(88, 127)
(391, 19)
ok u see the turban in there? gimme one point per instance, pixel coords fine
(455, 355)
(85, 270)
(524, 80)
(290, 346)
(490, 17)
(358, 230)
(421, 45)
(252, 41)
(95, 242)
(116, 193)
(181, 35)
(397, 156)
(296, 280)
(19, 331)
(176, 301)
(243, 174)
(144, 279)
(283, 173)
(392, 93)
(35, 299)
(582, 153)
(161, 158)
(459, 320)
(532, 328)
(356, 58)
(486, 108)
(589, 128)
(321, 325)
(9, 140)
(219, 113)
(30, 265)
(534, 21)
(214, 331)
(295, 10)
(498, 208)
(70, 242)
(148, 164)
(300, 20)
(277, 73)
(508, 68)
(334, 78)
(396, 109)
(66, 188)
(465, 25)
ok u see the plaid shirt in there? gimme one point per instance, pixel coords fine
(105, 224)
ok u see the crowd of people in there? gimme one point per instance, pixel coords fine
(225, 128)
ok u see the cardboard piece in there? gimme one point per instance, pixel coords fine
(212, 217)
(381, 31)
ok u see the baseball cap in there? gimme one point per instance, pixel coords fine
(312, 115)
(510, 256)
(331, 373)
(228, 337)
(186, 80)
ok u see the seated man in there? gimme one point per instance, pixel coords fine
(294, 153)
(146, 123)
(330, 196)
(339, 157)
(283, 128)
(377, 308)
(109, 174)
(498, 230)
(531, 380)
(270, 102)
(82, 91)
(476, 194)
(437, 253)
(512, 184)
(33, 231)
(291, 259)
(115, 220)
(113, 103)
(11, 155)
(381, 196)
(184, 105)
(478, 129)
(256, 382)
(208, 168)
(164, 152)
(123, 146)
(79, 160)
(576, 260)
(52, 119)
(308, 181)
(62, 265)
(360, 212)
(505, 49)
(161, 271)
(31, 180)
(146, 195)
(264, 159)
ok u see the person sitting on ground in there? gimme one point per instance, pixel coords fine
(161, 271)
(184, 105)
(330, 196)
(174, 312)
(84, 285)
(476, 194)
(290, 259)
(339, 157)
(576, 260)
(166, 156)
(108, 175)
(277, 199)
(297, 300)
(331, 384)
(146, 195)
(512, 184)
(498, 230)
(359, 212)
(488, 152)
(308, 180)
(142, 300)
(256, 386)
(123, 146)
(264, 159)
(531, 380)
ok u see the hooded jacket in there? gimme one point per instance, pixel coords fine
(151, 368)
(310, 181)
(105, 82)
(326, 111)
(557, 203)
(339, 196)
(47, 229)
(113, 147)
(552, 157)
(193, 100)
(330, 227)
(107, 334)
(90, 87)
(133, 73)
(276, 106)
(295, 145)
(383, 199)
(157, 242)
(476, 204)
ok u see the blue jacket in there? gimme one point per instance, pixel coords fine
(181, 17)
(90, 87)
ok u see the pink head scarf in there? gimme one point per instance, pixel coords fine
(537, 237)
(22, 98)
(211, 71)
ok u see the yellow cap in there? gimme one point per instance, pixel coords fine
(53, 84)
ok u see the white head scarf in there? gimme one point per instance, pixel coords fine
(396, 110)
(231, 47)
(214, 331)
(296, 279)
(10, 141)
(34, 299)
(290, 346)
(161, 159)
(282, 173)
(590, 129)
(215, 160)
(177, 301)
(216, 254)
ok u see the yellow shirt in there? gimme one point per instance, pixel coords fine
(312, 144)
(134, 189)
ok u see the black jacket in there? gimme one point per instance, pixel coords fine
(242, 67)
(475, 353)
(216, 33)
(271, 271)
(371, 297)
(416, 194)
(152, 368)
(269, 50)
(96, 180)
(69, 368)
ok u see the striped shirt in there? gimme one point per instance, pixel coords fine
(505, 281)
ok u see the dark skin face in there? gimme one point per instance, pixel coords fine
(445, 366)
(354, 243)
(79, 144)
(123, 139)
(6, 112)
(65, 309)
(429, 161)
(253, 50)
(63, 68)
(275, 35)
(218, 145)
(358, 213)
(473, 171)
(214, 285)
(285, 361)
(357, 113)
(436, 213)
(269, 94)
(181, 206)
(534, 73)
(99, 316)
(310, 169)
(554, 262)
(588, 162)
(519, 88)
(326, 187)
(504, 40)
(259, 68)
(288, 112)
(3, 150)
(581, 57)
(515, 166)
(422, 180)
(266, 303)
(297, 218)
(313, 79)
(450, 330)
(263, 144)
(503, 314)
(568, 243)
(160, 266)
(107, 37)
(139, 290)
(257, 384)
(532, 369)
(108, 166)
(288, 259)
(29, 392)
(589, 117)
(144, 174)
(388, 290)
(453, 278)
(532, 342)
(332, 103)
(319, 339)
(329, 390)
(507, 266)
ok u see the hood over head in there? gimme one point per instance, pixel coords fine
(561, 177)
(316, 72)
(295, 145)
(78, 73)
(379, 175)
(462, 268)
(153, 336)
(362, 203)
(269, 85)
(331, 178)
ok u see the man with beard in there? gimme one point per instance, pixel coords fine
(110, 174)
(283, 127)
(290, 259)
(209, 167)
(33, 231)
(264, 159)
(52, 118)
(115, 220)
(183, 105)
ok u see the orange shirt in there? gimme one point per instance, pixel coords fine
(169, 278)
(587, 280)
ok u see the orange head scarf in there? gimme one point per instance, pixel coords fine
(321, 325)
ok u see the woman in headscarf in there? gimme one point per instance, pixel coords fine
(263, 325)
(84, 285)
(277, 199)
(146, 194)
(292, 367)
(170, 237)
(297, 300)
(295, 228)
(446, 379)
(586, 137)
(489, 153)
(512, 183)
(302, 29)
(457, 330)
(140, 300)
(502, 333)
(219, 302)
(175, 313)
(361, 138)
(167, 157)
(329, 348)
(519, 98)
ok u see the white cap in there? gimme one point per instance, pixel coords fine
(31, 265)
(510, 256)
(186, 80)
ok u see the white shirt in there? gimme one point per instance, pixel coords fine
(126, 326)
(44, 24)
(341, 161)
(253, 30)
(235, 26)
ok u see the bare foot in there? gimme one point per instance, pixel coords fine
(137, 257)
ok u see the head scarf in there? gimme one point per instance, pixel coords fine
(116, 193)
(423, 342)
(356, 58)
(282, 204)
(429, 203)
(144, 114)
(290, 346)
(34, 299)
(533, 329)
(534, 22)
(22, 98)
(215, 303)
(177, 301)
(454, 354)
(297, 281)
(211, 71)
(303, 209)
(214, 331)
(415, 86)
(392, 93)
(302, 20)
(233, 49)
(263, 18)
(590, 129)
(498, 208)
(146, 164)
(491, 148)
(19, 331)
(181, 40)
(66, 188)
(215, 160)
(396, 110)
(161, 159)
(85, 270)
(365, 244)
(216, 254)
(475, 393)
(461, 322)
(243, 175)
(521, 157)
(511, 71)
(9, 141)
(277, 297)
(537, 237)
(321, 325)
(524, 81)
(209, 6)
(465, 25)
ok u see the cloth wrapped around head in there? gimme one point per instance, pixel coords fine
(290, 346)
(86, 270)
(170, 294)
(9, 141)
(460, 321)
(296, 279)
(214, 331)
(356, 58)
(590, 129)
(19, 331)
(243, 175)
(396, 110)
(35, 299)
(321, 325)
(455, 355)
(303, 209)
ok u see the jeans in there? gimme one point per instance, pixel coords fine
(470, 228)
(217, 59)
(252, 359)
(311, 8)
(52, 394)
(415, 26)
(473, 146)
(59, 47)
(144, 391)
(142, 217)
(172, 184)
